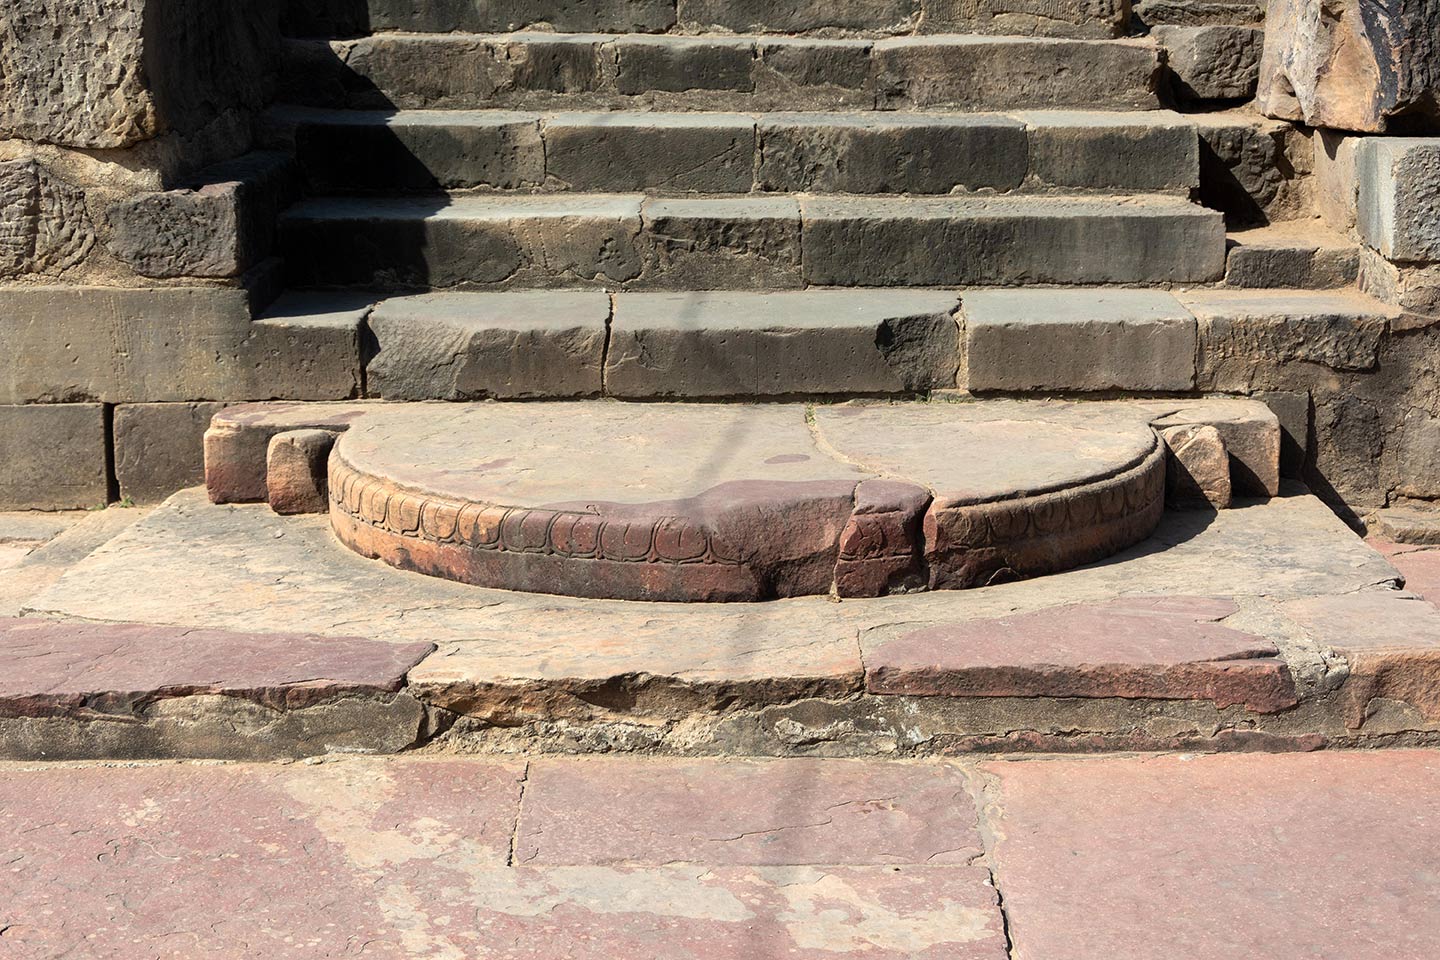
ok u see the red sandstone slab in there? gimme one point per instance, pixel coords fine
(54, 668)
(1328, 855)
(1420, 566)
(1167, 648)
(1391, 642)
(746, 812)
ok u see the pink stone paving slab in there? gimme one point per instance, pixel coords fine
(1420, 566)
(1328, 855)
(1168, 648)
(404, 859)
(1391, 643)
(52, 668)
(780, 812)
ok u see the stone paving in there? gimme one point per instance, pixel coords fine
(229, 632)
(1158, 856)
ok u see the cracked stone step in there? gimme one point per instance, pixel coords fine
(621, 241)
(715, 72)
(1064, 18)
(344, 151)
(739, 502)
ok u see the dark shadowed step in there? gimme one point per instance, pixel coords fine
(585, 71)
(866, 152)
(626, 240)
(1065, 18)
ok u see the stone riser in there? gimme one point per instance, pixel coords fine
(625, 241)
(345, 151)
(579, 71)
(1066, 18)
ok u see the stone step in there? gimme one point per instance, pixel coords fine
(1302, 254)
(229, 631)
(1064, 18)
(342, 151)
(620, 241)
(571, 71)
(737, 502)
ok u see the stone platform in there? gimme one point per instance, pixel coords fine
(734, 502)
(1147, 858)
(1268, 626)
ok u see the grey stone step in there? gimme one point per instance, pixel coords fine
(1303, 254)
(528, 344)
(1065, 18)
(854, 152)
(598, 71)
(618, 241)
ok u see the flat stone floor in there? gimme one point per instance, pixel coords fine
(1143, 857)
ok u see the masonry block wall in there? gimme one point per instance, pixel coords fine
(144, 167)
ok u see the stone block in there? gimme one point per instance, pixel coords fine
(1197, 472)
(296, 471)
(1398, 183)
(218, 226)
(1268, 339)
(737, 344)
(1156, 150)
(1243, 166)
(111, 73)
(1211, 62)
(1292, 410)
(1297, 255)
(1251, 435)
(1417, 524)
(45, 227)
(348, 150)
(469, 346)
(237, 443)
(160, 448)
(677, 64)
(889, 153)
(1050, 18)
(1413, 289)
(1081, 340)
(1199, 13)
(505, 16)
(1157, 648)
(702, 152)
(984, 73)
(425, 241)
(716, 243)
(435, 71)
(942, 241)
(799, 16)
(1351, 64)
(822, 72)
(53, 457)
(1336, 180)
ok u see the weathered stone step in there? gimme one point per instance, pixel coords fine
(578, 71)
(778, 241)
(684, 502)
(1065, 18)
(1301, 254)
(867, 152)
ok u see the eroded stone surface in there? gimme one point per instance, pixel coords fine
(1197, 471)
(1137, 647)
(785, 812)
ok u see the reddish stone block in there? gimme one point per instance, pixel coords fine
(1256, 856)
(1419, 565)
(746, 812)
(238, 441)
(59, 668)
(296, 471)
(1166, 648)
